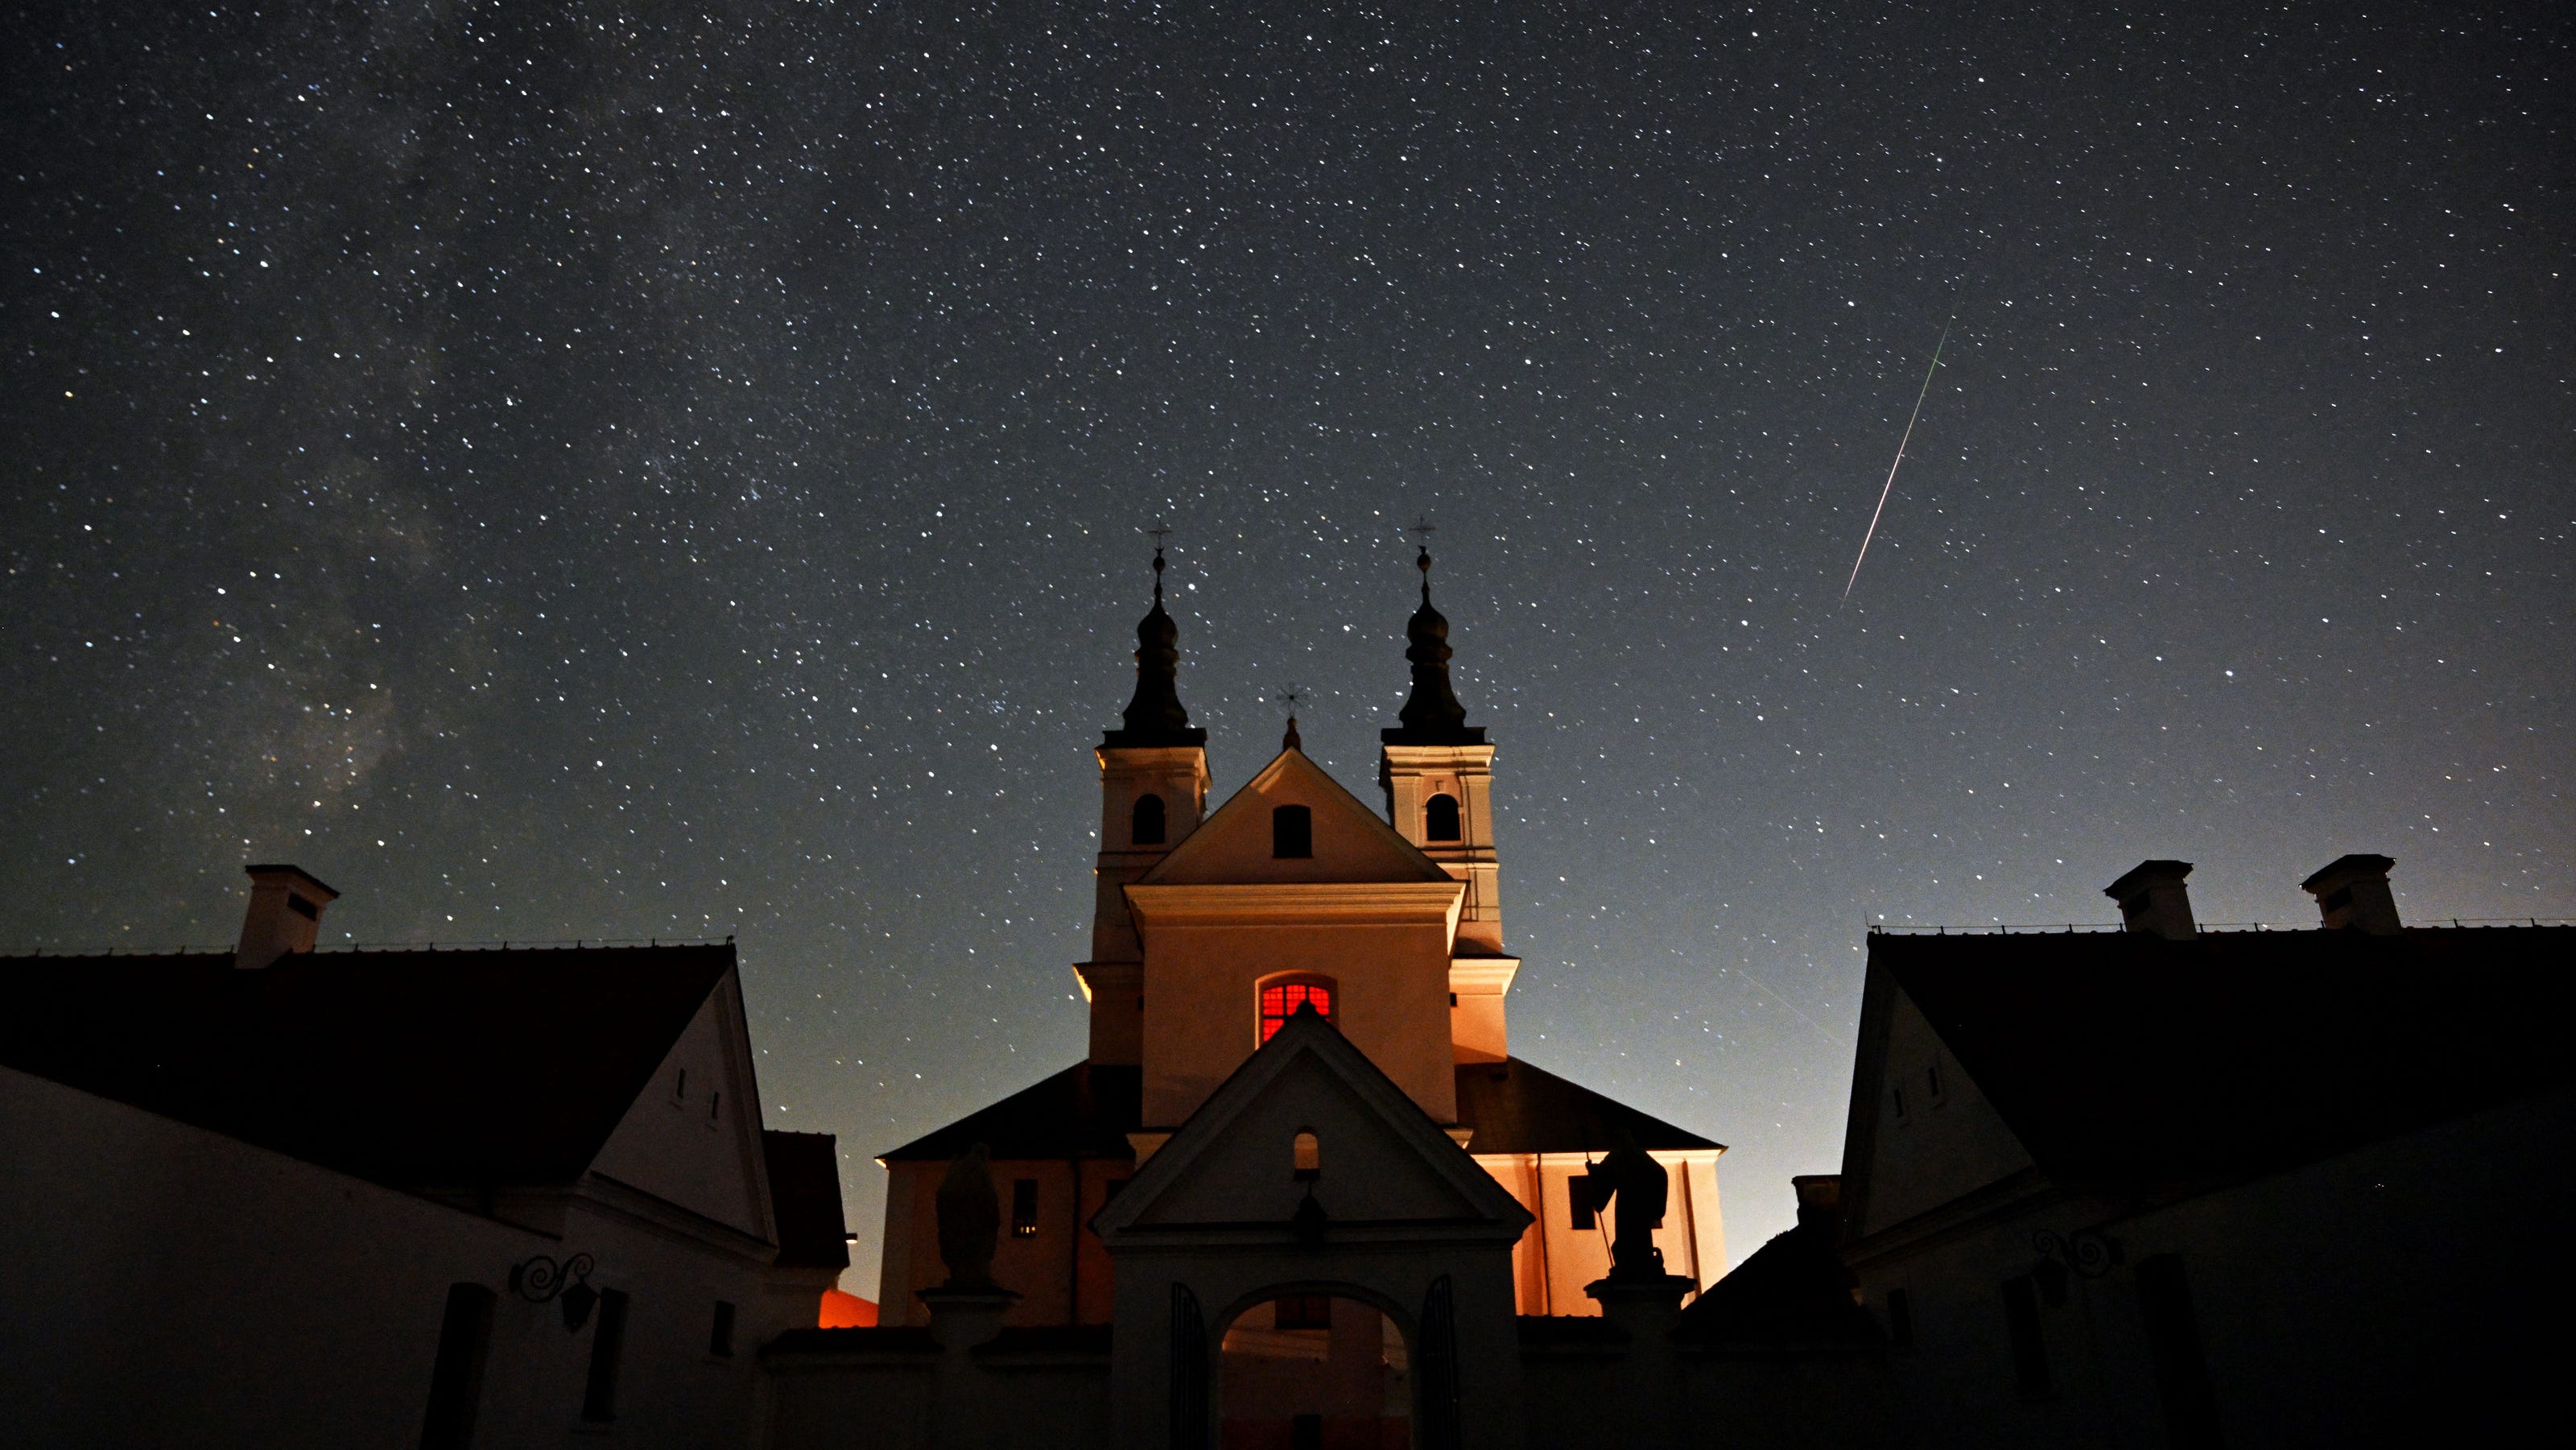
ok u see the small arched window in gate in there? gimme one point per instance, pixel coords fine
(1308, 1155)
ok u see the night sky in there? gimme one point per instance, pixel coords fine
(569, 471)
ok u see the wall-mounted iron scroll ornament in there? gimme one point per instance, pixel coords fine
(541, 1279)
(2083, 1252)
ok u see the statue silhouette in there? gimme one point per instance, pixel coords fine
(970, 1219)
(1641, 1189)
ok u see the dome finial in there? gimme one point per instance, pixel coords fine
(1432, 714)
(1422, 532)
(1291, 697)
(1155, 716)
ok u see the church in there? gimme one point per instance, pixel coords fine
(1212, 928)
(2153, 1184)
(1299, 1138)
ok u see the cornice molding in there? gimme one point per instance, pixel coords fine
(1298, 903)
(1435, 755)
(1149, 756)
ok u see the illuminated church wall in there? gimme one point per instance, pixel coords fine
(1395, 912)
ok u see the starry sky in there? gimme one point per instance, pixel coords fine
(591, 471)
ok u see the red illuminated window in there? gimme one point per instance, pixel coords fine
(1280, 1001)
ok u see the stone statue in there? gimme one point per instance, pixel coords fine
(970, 1219)
(1642, 1189)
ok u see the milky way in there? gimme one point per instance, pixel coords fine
(560, 471)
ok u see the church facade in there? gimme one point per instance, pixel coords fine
(1212, 929)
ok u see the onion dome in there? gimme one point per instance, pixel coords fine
(1155, 716)
(1432, 716)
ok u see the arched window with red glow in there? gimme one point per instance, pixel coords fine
(1280, 1001)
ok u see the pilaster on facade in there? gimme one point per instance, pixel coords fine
(1459, 834)
(1151, 798)
(1478, 1028)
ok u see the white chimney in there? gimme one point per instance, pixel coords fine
(2152, 899)
(2352, 894)
(285, 914)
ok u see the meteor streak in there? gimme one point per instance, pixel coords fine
(1900, 457)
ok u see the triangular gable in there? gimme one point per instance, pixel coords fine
(695, 1140)
(1351, 843)
(1940, 1149)
(1383, 1160)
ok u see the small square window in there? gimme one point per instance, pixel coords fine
(1292, 832)
(1582, 1200)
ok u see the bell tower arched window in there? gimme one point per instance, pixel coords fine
(1281, 999)
(1146, 826)
(1292, 832)
(1440, 818)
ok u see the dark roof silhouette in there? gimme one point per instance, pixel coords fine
(420, 1069)
(1792, 1293)
(805, 1199)
(1517, 1108)
(1087, 1111)
(2125, 1056)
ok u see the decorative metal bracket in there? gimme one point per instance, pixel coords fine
(541, 1279)
(2082, 1252)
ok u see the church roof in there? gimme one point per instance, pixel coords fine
(2129, 1056)
(1086, 1111)
(414, 1069)
(1517, 1108)
(805, 1199)
(1220, 1168)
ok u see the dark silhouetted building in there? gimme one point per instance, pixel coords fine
(283, 1197)
(2169, 1187)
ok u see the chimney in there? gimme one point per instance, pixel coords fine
(285, 914)
(1820, 1202)
(2352, 895)
(2152, 899)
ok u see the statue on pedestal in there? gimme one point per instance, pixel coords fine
(1641, 1191)
(970, 1220)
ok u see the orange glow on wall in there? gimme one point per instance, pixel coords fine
(846, 1311)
